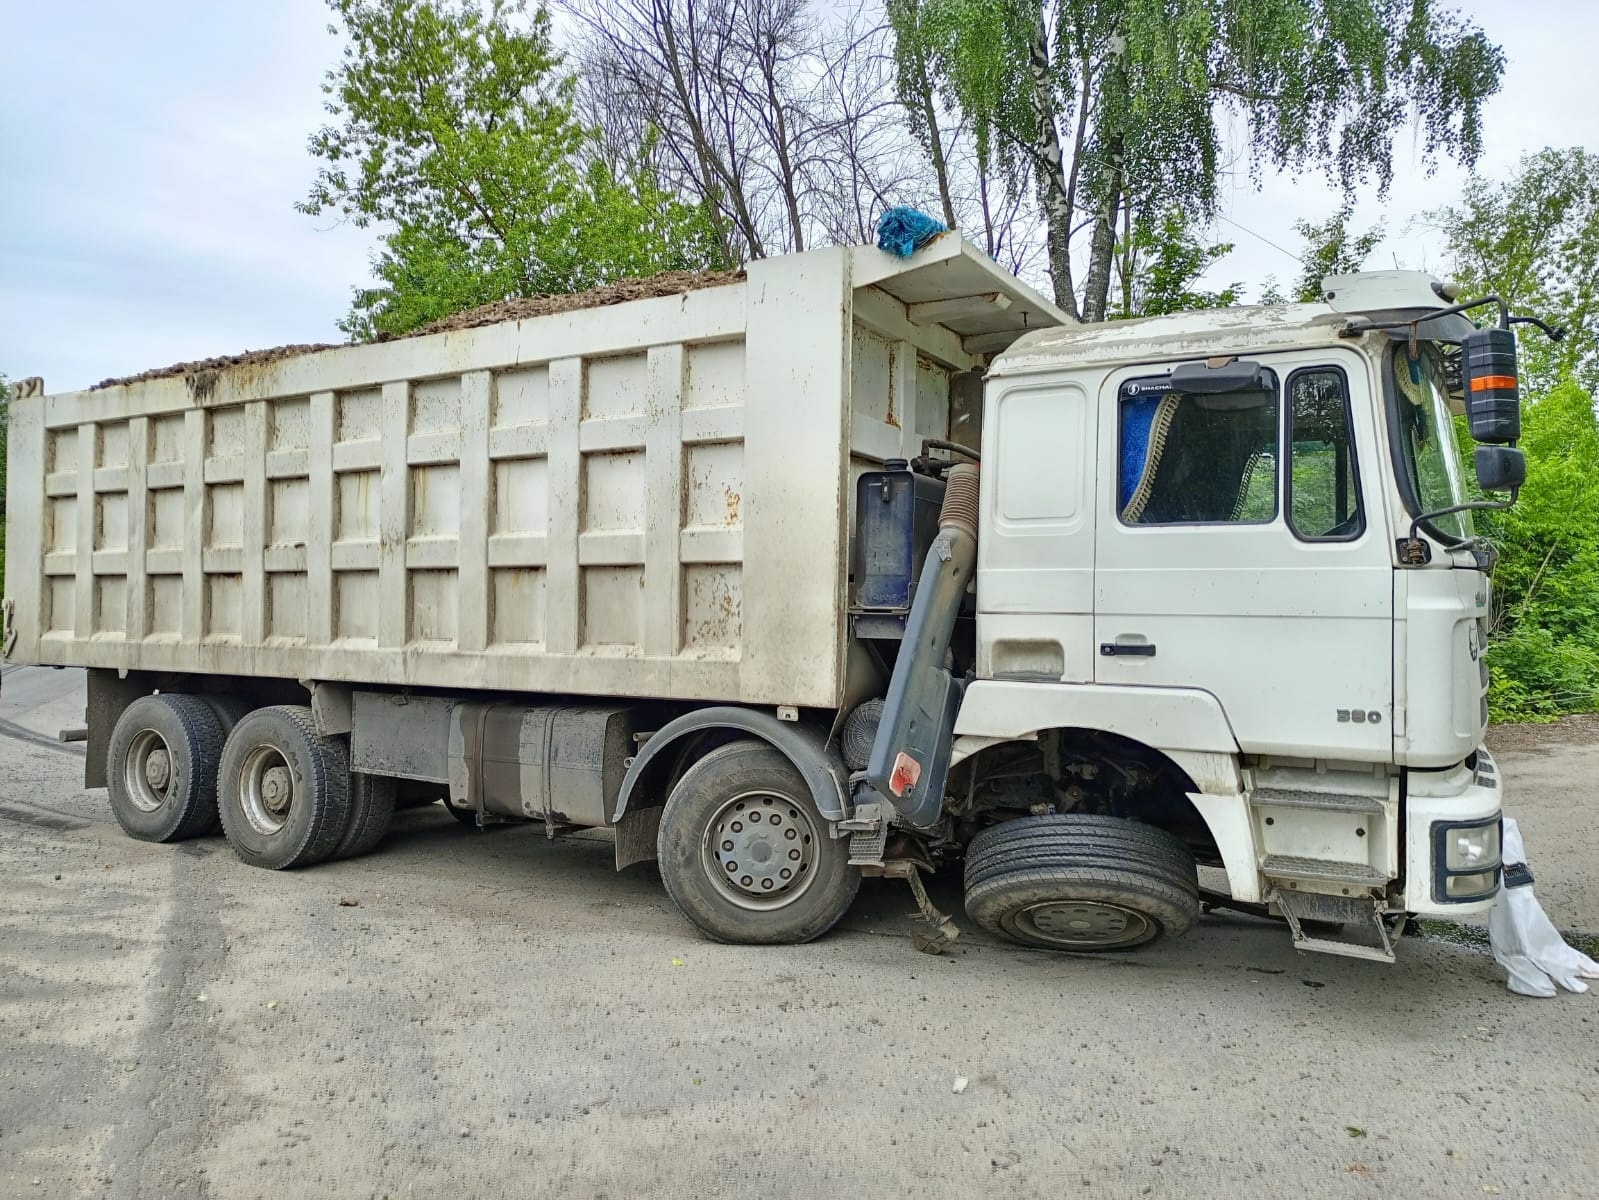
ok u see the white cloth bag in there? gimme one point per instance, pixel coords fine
(1525, 941)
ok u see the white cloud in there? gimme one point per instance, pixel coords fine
(154, 155)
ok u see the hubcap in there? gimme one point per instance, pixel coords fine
(266, 789)
(760, 850)
(147, 771)
(1086, 923)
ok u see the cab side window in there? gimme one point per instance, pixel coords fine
(1323, 485)
(1197, 459)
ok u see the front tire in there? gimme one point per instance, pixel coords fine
(161, 768)
(1081, 882)
(745, 855)
(284, 789)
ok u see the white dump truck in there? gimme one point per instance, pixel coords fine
(851, 565)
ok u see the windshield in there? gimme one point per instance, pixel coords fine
(1427, 450)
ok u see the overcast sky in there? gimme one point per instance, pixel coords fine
(153, 151)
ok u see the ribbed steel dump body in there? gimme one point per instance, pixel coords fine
(647, 499)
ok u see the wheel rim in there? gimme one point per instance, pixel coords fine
(760, 850)
(147, 771)
(1081, 923)
(266, 789)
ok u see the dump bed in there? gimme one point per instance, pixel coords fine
(645, 499)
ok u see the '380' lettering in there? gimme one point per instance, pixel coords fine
(1359, 716)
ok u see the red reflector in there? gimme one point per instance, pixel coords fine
(905, 774)
(1485, 383)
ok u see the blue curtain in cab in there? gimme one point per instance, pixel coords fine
(1138, 421)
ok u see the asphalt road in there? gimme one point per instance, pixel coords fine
(494, 1014)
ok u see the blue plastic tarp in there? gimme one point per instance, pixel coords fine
(904, 231)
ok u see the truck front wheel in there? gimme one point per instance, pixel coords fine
(284, 790)
(1080, 882)
(745, 855)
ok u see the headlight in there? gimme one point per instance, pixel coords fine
(1465, 860)
(1467, 847)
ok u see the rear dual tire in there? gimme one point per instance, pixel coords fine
(284, 790)
(161, 768)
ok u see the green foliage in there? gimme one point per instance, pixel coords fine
(1332, 248)
(1157, 265)
(1149, 86)
(1534, 240)
(455, 126)
(1545, 652)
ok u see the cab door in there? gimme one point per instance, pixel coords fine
(1035, 559)
(1241, 550)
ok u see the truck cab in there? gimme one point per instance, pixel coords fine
(1214, 592)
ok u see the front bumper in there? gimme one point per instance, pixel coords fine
(1437, 804)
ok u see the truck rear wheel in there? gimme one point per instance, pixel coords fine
(745, 855)
(284, 790)
(161, 768)
(371, 813)
(230, 710)
(1080, 882)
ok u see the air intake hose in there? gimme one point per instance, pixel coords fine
(910, 756)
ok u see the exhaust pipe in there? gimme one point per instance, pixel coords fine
(910, 755)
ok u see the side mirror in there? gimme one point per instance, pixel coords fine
(1488, 376)
(1500, 468)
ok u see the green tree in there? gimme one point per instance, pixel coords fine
(1544, 656)
(913, 79)
(1332, 248)
(1157, 266)
(1532, 237)
(1110, 104)
(454, 126)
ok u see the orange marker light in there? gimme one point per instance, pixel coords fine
(1484, 383)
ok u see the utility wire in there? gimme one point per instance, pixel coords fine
(1262, 238)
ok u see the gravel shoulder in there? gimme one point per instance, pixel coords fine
(1552, 784)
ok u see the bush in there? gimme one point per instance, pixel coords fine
(1544, 654)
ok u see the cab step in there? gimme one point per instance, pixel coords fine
(1319, 870)
(1360, 912)
(1268, 797)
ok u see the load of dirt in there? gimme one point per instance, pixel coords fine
(218, 364)
(669, 283)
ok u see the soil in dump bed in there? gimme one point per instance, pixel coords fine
(670, 283)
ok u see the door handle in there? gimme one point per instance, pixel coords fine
(1136, 649)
